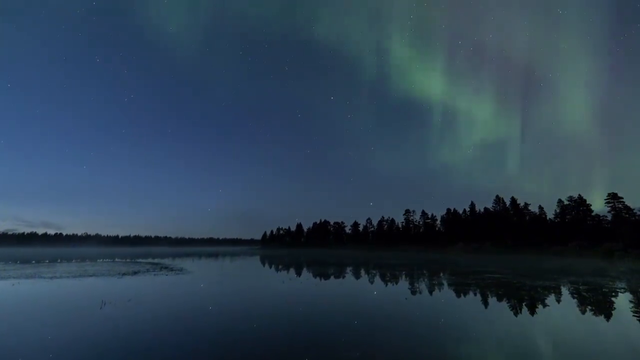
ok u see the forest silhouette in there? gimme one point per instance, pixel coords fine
(521, 291)
(505, 224)
(45, 239)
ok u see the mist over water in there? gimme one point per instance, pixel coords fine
(304, 304)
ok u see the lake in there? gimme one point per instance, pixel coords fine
(235, 303)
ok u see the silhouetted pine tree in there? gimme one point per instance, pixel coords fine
(511, 223)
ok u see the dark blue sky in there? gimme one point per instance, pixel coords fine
(218, 118)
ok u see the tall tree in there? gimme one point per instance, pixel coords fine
(618, 209)
(355, 234)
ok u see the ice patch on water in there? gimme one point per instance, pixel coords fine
(83, 269)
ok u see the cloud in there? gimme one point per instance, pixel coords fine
(37, 225)
(9, 230)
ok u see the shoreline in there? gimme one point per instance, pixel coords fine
(605, 252)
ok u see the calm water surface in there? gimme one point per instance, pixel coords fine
(253, 304)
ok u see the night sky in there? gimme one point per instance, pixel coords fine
(229, 117)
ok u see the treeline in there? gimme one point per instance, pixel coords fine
(505, 224)
(524, 294)
(85, 239)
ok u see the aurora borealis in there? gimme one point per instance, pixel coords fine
(345, 109)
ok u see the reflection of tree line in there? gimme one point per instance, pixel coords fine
(520, 293)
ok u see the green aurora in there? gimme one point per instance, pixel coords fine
(516, 91)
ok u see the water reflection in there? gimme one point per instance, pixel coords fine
(593, 288)
(292, 305)
(94, 254)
